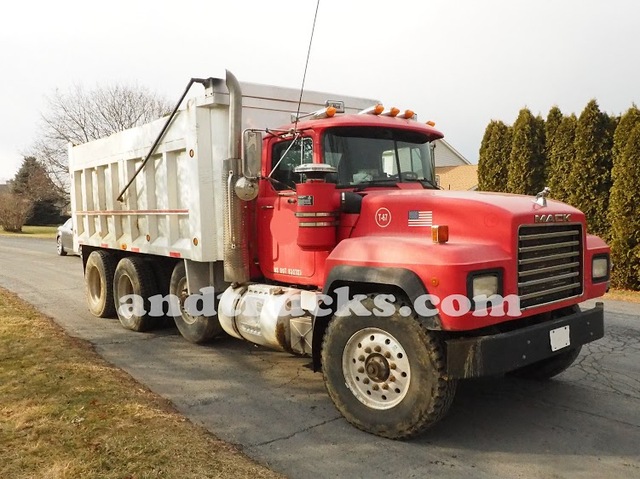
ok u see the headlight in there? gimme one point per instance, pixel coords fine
(600, 268)
(487, 284)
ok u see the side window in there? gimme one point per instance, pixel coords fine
(285, 156)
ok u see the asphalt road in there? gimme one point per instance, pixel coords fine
(585, 423)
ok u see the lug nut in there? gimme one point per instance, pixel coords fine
(360, 369)
(392, 379)
(367, 350)
(387, 354)
(361, 358)
(375, 387)
(365, 380)
(377, 349)
(392, 366)
(385, 386)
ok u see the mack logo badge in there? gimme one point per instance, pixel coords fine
(557, 218)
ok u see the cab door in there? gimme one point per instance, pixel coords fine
(279, 255)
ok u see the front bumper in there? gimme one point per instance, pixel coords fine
(503, 352)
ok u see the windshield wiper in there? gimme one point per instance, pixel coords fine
(384, 181)
(430, 183)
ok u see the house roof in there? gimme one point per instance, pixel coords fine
(461, 178)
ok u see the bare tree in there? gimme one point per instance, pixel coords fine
(78, 116)
(14, 211)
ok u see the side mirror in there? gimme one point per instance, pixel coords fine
(252, 143)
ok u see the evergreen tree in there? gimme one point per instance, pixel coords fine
(554, 118)
(561, 157)
(590, 178)
(493, 163)
(33, 183)
(526, 162)
(623, 217)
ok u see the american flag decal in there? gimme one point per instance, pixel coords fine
(420, 218)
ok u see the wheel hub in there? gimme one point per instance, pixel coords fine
(376, 368)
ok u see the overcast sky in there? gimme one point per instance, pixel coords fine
(459, 63)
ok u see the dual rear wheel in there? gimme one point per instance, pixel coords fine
(123, 287)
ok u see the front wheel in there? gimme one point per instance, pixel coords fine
(386, 375)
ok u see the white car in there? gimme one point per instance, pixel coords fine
(64, 238)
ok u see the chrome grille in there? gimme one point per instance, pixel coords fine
(549, 263)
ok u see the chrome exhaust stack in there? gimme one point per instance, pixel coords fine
(236, 249)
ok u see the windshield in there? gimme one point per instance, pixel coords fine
(372, 156)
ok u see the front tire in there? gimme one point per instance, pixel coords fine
(386, 375)
(134, 278)
(196, 329)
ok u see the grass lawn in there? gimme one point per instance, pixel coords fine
(623, 295)
(66, 413)
(34, 232)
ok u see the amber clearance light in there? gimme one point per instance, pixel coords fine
(440, 233)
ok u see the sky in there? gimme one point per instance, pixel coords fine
(459, 63)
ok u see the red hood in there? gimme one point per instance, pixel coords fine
(479, 216)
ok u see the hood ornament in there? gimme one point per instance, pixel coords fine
(541, 197)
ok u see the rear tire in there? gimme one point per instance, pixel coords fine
(196, 329)
(386, 375)
(133, 276)
(98, 280)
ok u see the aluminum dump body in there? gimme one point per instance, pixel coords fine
(175, 205)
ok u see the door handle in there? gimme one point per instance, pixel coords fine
(267, 207)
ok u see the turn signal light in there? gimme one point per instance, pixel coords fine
(440, 233)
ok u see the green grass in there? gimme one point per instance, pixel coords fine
(34, 232)
(66, 413)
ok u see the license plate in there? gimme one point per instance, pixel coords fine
(560, 338)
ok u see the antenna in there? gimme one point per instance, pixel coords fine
(304, 76)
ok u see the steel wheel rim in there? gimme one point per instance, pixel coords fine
(125, 288)
(376, 368)
(94, 285)
(182, 293)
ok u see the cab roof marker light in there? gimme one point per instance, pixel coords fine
(409, 115)
(327, 112)
(372, 110)
(393, 112)
(431, 123)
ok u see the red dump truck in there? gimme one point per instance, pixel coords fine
(316, 227)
